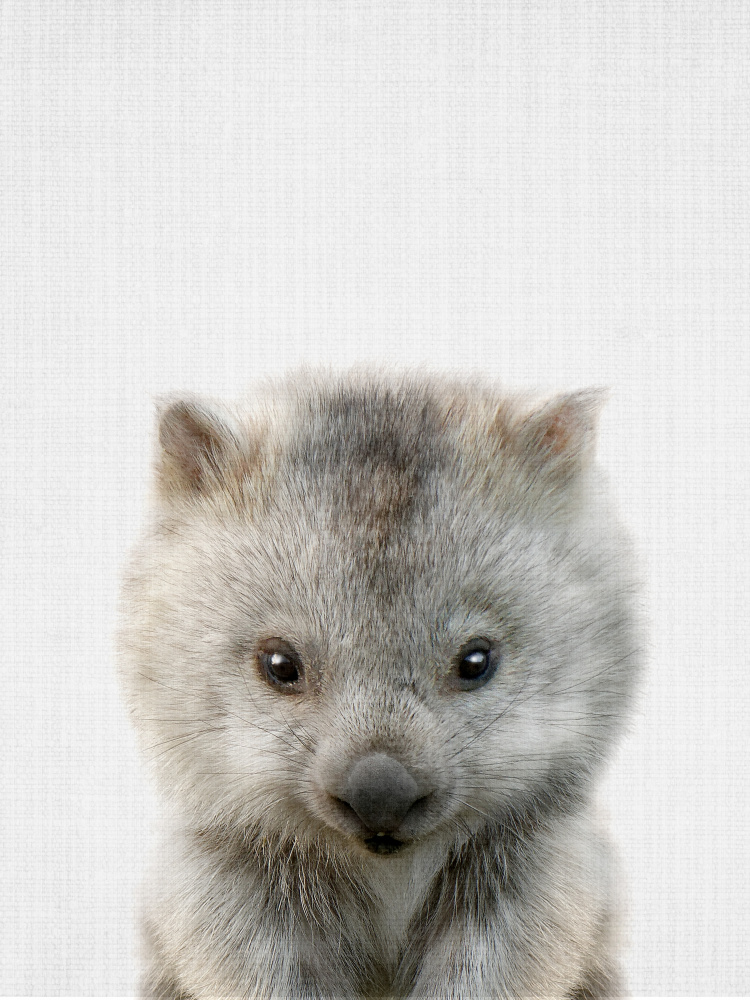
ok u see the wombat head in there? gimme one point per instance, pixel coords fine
(372, 611)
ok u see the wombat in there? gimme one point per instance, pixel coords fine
(377, 643)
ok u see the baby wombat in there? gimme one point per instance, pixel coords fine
(377, 644)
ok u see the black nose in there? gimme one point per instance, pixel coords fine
(381, 792)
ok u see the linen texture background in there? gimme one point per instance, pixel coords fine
(196, 194)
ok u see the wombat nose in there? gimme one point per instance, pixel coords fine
(380, 791)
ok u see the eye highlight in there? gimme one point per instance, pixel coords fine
(281, 666)
(475, 664)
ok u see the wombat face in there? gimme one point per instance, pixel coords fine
(377, 612)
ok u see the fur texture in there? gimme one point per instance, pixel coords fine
(380, 527)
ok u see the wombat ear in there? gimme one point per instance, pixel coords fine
(197, 445)
(560, 437)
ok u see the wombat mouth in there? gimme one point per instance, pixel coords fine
(383, 844)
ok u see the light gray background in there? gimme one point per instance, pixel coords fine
(195, 194)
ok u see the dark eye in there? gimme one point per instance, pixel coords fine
(280, 664)
(476, 663)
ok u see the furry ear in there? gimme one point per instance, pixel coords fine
(196, 447)
(560, 437)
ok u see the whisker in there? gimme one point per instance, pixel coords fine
(246, 722)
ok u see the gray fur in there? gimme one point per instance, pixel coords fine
(377, 525)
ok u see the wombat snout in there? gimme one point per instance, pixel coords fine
(381, 792)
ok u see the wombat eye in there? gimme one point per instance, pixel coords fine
(280, 664)
(476, 663)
